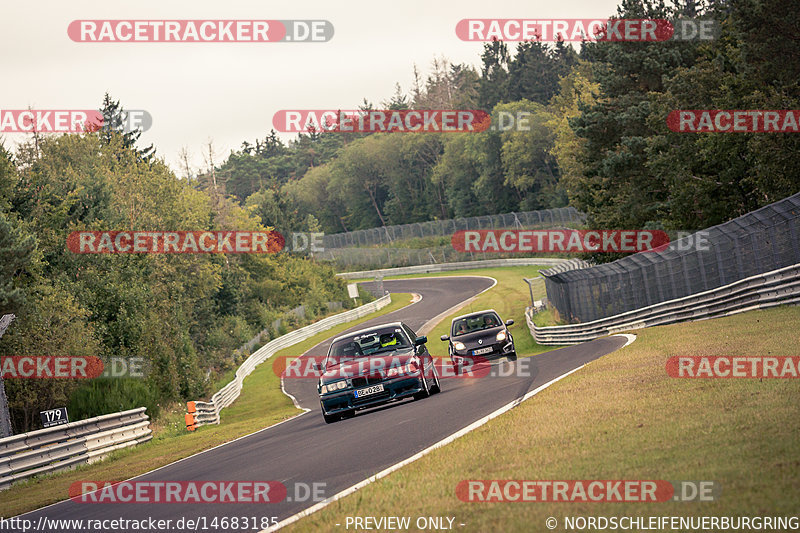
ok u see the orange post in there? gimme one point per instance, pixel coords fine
(191, 425)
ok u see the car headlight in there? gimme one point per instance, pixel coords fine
(501, 336)
(459, 345)
(331, 387)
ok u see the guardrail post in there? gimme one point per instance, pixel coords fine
(530, 288)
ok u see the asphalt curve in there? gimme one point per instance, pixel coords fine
(305, 452)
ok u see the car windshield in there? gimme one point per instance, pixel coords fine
(471, 324)
(377, 341)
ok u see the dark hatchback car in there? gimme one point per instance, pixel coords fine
(482, 335)
(375, 366)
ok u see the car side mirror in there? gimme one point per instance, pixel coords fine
(420, 340)
(509, 322)
(445, 337)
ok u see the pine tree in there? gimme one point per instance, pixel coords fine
(494, 75)
(115, 123)
(16, 251)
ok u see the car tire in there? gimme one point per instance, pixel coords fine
(512, 356)
(436, 388)
(329, 419)
(425, 392)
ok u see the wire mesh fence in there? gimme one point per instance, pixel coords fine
(347, 259)
(755, 243)
(440, 228)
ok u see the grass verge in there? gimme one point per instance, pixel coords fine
(621, 417)
(260, 405)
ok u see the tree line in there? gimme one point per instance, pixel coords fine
(596, 137)
(182, 315)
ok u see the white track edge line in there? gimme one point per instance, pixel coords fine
(178, 461)
(447, 440)
(294, 401)
(630, 336)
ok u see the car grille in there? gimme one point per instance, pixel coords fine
(363, 381)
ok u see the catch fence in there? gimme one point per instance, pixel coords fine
(761, 241)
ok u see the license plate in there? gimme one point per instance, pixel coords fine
(375, 389)
(481, 350)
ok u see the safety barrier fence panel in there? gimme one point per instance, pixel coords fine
(65, 446)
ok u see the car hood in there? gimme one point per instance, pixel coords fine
(368, 365)
(487, 336)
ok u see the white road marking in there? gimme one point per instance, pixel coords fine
(443, 442)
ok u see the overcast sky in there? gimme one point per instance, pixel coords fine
(228, 92)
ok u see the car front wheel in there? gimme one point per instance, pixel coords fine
(425, 392)
(436, 388)
(329, 419)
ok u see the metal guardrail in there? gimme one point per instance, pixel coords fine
(202, 413)
(778, 287)
(299, 311)
(444, 267)
(62, 447)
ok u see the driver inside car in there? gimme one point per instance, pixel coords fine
(388, 339)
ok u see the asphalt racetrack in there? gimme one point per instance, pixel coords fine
(306, 453)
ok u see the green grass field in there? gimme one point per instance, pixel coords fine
(621, 417)
(260, 405)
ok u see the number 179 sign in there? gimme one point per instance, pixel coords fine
(54, 417)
